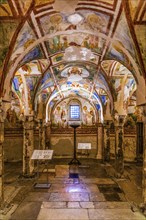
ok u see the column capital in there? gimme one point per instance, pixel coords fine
(107, 123)
(28, 122)
(47, 124)
(119, 120)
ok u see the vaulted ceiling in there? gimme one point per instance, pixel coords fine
(51, 50)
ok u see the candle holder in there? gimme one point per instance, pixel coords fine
(74, 160)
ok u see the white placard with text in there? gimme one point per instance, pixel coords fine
(42, 155)
(86, 146)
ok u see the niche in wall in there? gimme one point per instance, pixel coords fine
(86, 112)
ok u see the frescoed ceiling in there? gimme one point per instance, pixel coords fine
(54, 49)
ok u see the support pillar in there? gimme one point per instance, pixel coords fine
(1, 156)
(48, 135)
(28, 146)
(107, 141)
(100, 144)
(42, 135)
(139, 135)
(144, 157)
(119, 142)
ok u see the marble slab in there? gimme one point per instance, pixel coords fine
(111, 205)
(114, 214)
(98, 181)
(54, 205)
(69, 197)
(92, 188)
(37, 196)
(63, 214)
(62, 170)
(87, 205)
(63, 187)
(97, 197)
(27, 210)
(73, 205)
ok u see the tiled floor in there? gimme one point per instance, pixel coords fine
(94, 195)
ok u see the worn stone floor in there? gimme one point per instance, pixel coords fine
(96, 194)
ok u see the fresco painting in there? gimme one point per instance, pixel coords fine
(96, 22)
(25, 5)
(35, 53)
(7, 30)
(123, 42)
(73, 53)
(57, 58)
(46, 82)
(124, 36)
(124, 87)
(5, 9)
(60, 42)
(25, 81)
(25, 38)
(60, 115)
(74, 73)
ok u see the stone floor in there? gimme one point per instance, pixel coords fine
(96, 194)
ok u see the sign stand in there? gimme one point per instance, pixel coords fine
(42, 155)
(84, 146)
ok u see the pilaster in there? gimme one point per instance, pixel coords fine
(119, 142)
(28, 145)
(100, 144)
(107, 140)
(48, 134)
(144, 156)
(1, 154)
(42, 134)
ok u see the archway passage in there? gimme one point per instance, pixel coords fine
(85, 62)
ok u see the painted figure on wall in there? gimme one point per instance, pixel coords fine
(88, 116)
(60, 115)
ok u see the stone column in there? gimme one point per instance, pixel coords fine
(1, 155)
(139, 134)
(42, 132)
(119, 142)
(99, 141)
(144, 157)
(48, 135)
(28, 145)
(107, 141)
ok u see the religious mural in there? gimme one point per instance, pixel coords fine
(24, 84)
(60, 115)
(7, 31)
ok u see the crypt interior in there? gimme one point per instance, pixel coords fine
(73, 84)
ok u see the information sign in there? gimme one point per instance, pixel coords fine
(86, 146)
(42, 155)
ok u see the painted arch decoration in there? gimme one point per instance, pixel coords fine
(86, 37)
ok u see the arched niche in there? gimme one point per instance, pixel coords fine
(60, 114)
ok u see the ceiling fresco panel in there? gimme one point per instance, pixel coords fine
(25, 38)
(43, 2)
(7, 30)
(5, 9)
(35, 53)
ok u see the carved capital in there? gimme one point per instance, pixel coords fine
(28, 122)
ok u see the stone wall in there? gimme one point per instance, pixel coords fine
(63, 144)
(129, 147)
(13, 145)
